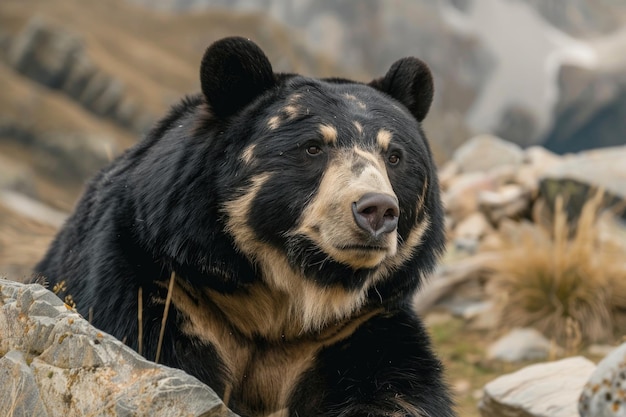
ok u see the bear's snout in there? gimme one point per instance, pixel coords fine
(376, 213)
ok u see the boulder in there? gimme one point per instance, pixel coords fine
(579, 176)
(520, 345)
(54, 363)
(485, 152)
(591, 111)
(541, 390)
(517, 124)
(43, 53)
(58, 59)
(604, 395)
(509, 201)
(461, 198)
(537, 161)
(469, 232)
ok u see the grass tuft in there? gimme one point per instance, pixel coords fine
(568, 282)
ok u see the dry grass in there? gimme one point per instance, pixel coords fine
(568, 282)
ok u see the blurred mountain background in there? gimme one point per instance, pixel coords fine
(81, 81)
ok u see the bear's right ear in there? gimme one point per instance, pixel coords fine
(234, 71)
(410, 82)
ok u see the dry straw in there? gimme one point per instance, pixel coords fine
(568, 282)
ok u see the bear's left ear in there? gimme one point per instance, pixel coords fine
(410, 82)
(234, 71)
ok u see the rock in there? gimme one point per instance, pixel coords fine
(509, 201)
(518, 125)
(54, 363)
(540, 390)
(583, 18)
(451, 281)
(43, 53)
(577, 177)
(591, 111)
(540, 158)
(470, 230)
(461, 198)
(604, 395)
(537, 161)
(520, 345)
(15, 372)
(600, 350)
(58, 59)
(485, 152)
(447, 173)
(468, 309)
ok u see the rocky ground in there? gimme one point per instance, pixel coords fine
(501, 204)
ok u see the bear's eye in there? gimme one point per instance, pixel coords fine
(313, 150)
(394, 159)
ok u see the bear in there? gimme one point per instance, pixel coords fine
(267, 236)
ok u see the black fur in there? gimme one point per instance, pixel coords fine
(161, 208)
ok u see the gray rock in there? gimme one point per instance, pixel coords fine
(485, 152)
(461, 198)
(55, 363)
(537, 161)
(541, 390)
(604, 395)
(577, 177)
(58, 59)
(470, 230)
(583, 18)
(520, 345)
(43, 53)
(518, 125)
(23, 399)
(591, 111)
(509, 201)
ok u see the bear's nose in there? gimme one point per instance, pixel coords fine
(376, 213)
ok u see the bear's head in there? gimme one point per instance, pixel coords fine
(326, 187)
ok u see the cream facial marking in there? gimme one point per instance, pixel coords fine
(289, 305)
(248, 154)
(383, 138)
(329, 134)
(358, 126)
(291, 111)
(230, 331)
(274, 122)
(329, 220)
(355, 100)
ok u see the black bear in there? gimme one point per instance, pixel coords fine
(285, 222)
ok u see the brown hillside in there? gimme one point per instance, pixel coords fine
(45, 132)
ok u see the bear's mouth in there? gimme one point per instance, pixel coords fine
(363, 248)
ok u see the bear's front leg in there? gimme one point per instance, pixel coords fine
(385, 368)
